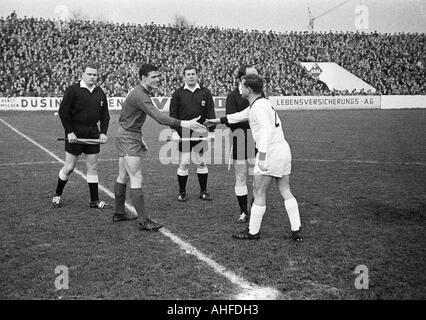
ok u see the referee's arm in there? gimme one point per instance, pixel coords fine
(174, 108)
(230, 106)
(104, 121)
(159, 116)
(211, 114)
(65, 109)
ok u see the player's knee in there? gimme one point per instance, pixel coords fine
(258, 193)
(259, 197)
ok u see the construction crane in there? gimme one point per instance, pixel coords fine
(312, 19)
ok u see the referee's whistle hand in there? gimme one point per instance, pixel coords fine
(72, 138)
(103, 138)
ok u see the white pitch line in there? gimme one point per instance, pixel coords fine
(249, 291)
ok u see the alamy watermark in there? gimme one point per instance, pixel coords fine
(62, 280)
(362, 280)
(217, 148)
(362, 22)
(62, 16)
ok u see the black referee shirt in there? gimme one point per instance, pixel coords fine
(187, 105)
(235, 103)
(81, 110)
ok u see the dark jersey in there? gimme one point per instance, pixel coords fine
(187, 105)
(81, 110)
(137, 106)
(235, 103)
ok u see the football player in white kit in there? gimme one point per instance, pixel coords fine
(273, 160)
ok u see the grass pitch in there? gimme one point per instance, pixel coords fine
(359, 177)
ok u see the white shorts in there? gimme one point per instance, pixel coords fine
(278, 161)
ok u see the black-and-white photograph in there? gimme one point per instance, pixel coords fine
(215, 151)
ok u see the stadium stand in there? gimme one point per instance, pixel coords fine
(41, 57)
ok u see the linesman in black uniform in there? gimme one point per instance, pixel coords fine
(243, 147)
(188, 102)
(84, 105)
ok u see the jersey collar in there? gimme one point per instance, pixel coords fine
(83, 85)
(197, 86)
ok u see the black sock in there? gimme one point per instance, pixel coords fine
(202, 179)
(242, 201)
(60, 186)
(120, 197)
(182, 183)
(94, 195)
(138, 202)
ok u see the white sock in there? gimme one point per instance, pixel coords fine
(256, 217)
(203, 170)
(63, 176)
(293, 213)
(92, 179)
(241, 191)
(182, 172)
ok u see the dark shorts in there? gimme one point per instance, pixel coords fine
(77, 149)
(243, 145)
(198, 146)
(129, 143)
(83, 131)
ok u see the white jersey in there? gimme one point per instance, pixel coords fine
(268, 134)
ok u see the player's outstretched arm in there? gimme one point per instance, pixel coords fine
(211, 122)
(237, 116)
(193, 124)
(164, 119)
(230, 118)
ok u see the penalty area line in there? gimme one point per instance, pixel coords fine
(248, 291)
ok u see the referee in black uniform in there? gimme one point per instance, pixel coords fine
(243, 147)
(188, 102)
(84, 105)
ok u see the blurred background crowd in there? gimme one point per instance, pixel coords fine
(42, 57)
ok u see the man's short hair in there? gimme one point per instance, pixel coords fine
(253, 81)
(243, 69)
(190, 67)
(90, 65)
(146, 69)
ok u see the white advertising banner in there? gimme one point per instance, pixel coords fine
(52, 104)
(403, 102)
(279, 102)
(325, 102)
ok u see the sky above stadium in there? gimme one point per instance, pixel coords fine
(278, 15)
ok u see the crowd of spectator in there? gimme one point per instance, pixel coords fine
(41, 57)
